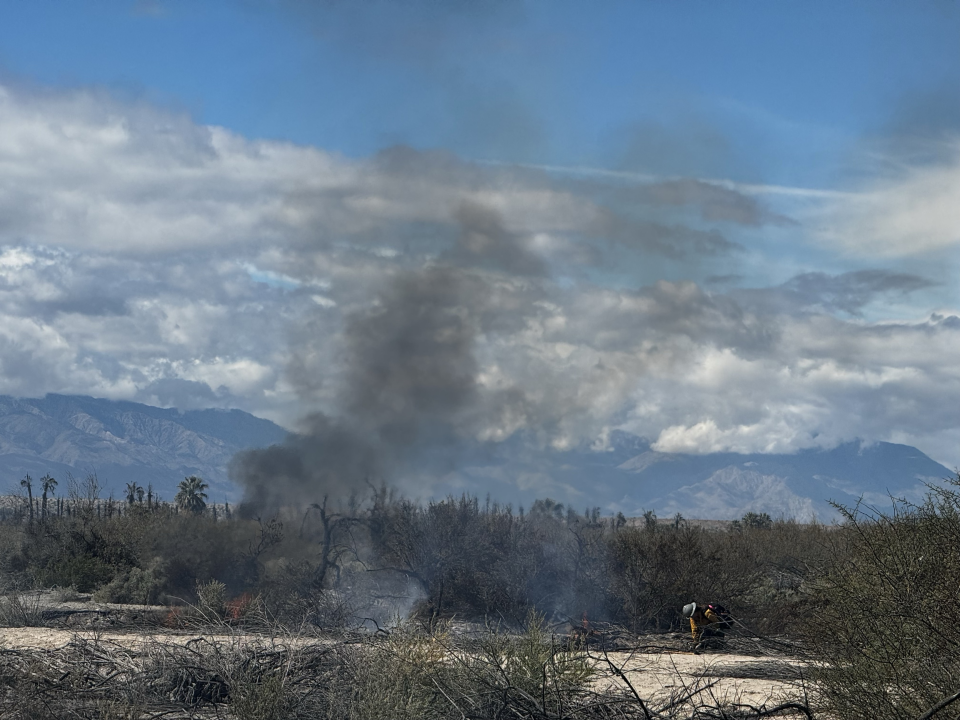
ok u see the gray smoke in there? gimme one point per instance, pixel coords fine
(408, 400)
(327, 458)
(485, 242)
(411, 370)
(429, 368)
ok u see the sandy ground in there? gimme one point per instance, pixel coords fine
(54, 638)
(748, 679)
(657, 677)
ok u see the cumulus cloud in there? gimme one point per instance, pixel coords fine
(87, 323)
(826, 381)
(81, 171)
(415, 306)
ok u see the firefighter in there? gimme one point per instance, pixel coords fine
(707, 623)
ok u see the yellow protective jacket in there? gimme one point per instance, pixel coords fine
(700, 620)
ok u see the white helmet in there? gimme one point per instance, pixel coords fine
(689, 610)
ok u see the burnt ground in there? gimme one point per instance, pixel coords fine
(662, 669)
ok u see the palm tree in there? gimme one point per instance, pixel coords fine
(140, 494)
(191, 496)
(49, 485)
(132, 489)
(27, 482)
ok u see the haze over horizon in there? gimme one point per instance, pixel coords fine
(422, 225)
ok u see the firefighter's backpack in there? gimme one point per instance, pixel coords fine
(721, 612)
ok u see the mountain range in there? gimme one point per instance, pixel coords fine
(628, 476)
(130, 442)
(125, 442)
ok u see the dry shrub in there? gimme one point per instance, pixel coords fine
(406, 674)
(887, 624)
(761, 573)
(412, 674)
(19, 609)
(263, 698)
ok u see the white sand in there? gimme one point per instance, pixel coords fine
(659, 676)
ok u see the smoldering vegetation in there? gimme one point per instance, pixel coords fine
(375, 557)
(381, 607)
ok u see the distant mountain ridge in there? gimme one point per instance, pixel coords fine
(125, 442)
(129, 442)
(628, 476)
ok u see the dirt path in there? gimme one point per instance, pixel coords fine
(31, 638)
(747, 679)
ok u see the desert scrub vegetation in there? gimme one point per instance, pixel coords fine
(493, 674)
(871, 602)
(406, 672)
(331, 564)
(886, 613)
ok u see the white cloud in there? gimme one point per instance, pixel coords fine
(79, 170)
(144, 256)
(825, 381)
(241, 377)
(914, 213)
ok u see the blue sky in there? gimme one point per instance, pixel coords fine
(744, 213)
(806, 83)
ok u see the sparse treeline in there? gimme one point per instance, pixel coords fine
(140, 549)
(872, 602)
(379, 555)
(86, 495)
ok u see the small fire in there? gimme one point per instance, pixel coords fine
(174, 618)
(583, 632)
(238, 608)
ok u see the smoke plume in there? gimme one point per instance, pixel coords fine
(409, 396)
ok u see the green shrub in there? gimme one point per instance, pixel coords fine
(396, 679)
(527, 672)
(84, 572)
(212, 600)
(418, 675)
(135, 585)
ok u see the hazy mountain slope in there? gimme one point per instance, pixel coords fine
(843, 474)
(124, 442)
(627, 476)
